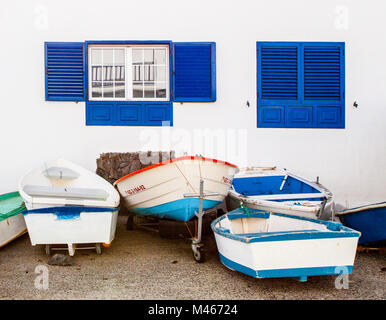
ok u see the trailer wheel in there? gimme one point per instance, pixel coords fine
(48, 249)
(199, 255)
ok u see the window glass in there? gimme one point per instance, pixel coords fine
(145, 67)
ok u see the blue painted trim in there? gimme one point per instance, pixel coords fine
(213, 95)
(68, 212)
(181, 210)
(337, 230)
(301, 273)
(240, 213)
(275, 113)
(139, 113)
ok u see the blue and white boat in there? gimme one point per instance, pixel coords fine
(160, 190)
(370, 220)
(277, 190)
(68, 205)
(273, 245)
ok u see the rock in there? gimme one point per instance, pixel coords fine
(59, 259)
(135, 165)
(113, 165)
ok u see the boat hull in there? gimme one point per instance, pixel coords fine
(181, 210)
(370, 221)
(160, 190)
(297, 255)
(71, 225)
(12, 228)
(12, 224)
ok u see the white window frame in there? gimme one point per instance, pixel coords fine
(128, 72)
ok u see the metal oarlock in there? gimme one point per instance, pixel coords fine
(197, 245)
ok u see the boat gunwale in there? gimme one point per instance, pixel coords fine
(362, 208)
(343, 232)
(16, 210)
(68, 210)
(322, 189)
(171, 161)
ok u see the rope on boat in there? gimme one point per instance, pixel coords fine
(187, 227)
(244, 208)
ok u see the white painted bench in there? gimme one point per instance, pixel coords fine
(61, 173)
(60, 192)
(289, 196)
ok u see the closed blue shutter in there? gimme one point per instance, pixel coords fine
(279, 73)
(194, 71)
(322, 73)
(300, 84)
(65, 71)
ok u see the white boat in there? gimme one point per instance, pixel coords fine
(277, 190)
(67, 204)
(271, 245)
(12, 224)
(160, 190)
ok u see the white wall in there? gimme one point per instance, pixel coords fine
(351, 162)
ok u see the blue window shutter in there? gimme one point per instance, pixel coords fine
(65, 71)
(322, 73)
(300, 84)
(194, 72)
(279, 72)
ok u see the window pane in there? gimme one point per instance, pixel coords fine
(120, 73)
(96, 90)
(96, 73)
(149, 56)
(96, 56)
(148, 73)
(108, 89)
(119, 57)
(119, 89)
(160, 56)
(108, 73)
(160, 73)
(137, 56)
(137, 73)
(108, 57)
(160, 90)
(137, 90)
(149, 90)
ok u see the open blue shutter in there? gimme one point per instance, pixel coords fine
(65, 71)
(300, 84)
(194, 71)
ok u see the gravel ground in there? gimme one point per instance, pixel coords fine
(141, 265)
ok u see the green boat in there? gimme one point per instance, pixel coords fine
(12, 224)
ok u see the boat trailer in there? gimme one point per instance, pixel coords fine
(197, 245)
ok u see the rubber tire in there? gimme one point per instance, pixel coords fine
(201, 256)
